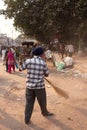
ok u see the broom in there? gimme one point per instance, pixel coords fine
(58, 90)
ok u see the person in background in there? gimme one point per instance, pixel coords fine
(11, 60)
(71, 49)
(13, 50)
(62, 50)
(35, 87)
(66, 49)
(48, 54)
(3, 53)
(34, 46)
(6, 59)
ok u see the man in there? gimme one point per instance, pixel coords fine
(71, 49)
(48, 54)
(3, 53)
(35, 87)
(6, 59)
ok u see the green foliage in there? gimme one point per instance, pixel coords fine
(44, 18)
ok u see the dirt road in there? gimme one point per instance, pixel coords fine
(70, 114)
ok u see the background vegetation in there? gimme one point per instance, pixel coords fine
(49, 19)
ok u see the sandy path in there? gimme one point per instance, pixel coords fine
(70, 114)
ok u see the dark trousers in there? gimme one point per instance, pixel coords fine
(30, 99)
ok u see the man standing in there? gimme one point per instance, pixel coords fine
(35, 86)
(71, 49)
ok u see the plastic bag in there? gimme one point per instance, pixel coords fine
(60, 66)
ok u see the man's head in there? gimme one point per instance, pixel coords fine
(38, 51)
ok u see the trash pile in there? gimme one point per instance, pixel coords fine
(73, 72)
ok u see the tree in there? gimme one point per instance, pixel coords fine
(44, 18)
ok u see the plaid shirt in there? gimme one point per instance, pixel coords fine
(36, 71)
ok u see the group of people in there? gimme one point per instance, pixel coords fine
(65, 54)
(37, 70)
(67, 49)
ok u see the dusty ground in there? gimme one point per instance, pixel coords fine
(70, 114)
